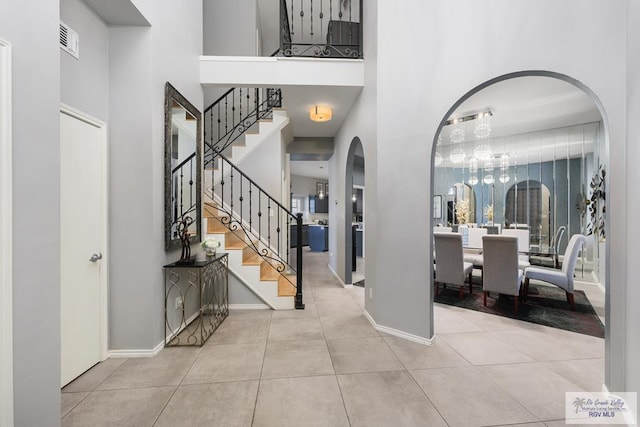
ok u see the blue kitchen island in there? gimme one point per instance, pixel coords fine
(318, 238)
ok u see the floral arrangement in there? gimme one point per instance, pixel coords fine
(488, 211)
(462, 211)
(209, 245)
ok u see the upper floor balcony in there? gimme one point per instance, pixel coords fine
(321, 28)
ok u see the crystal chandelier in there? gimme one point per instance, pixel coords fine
(482, 152)
(483, 128)
(457, 155)
(488, 179)
(504, 166)
(504, 178)
(457, 135)
(473, 180)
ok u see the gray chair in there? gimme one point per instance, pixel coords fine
(500, 267)
(450, 267)
(561, 278)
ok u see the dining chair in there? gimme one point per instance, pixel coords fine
(554, 247)
(523, 245)
(500, 271)
(560, 278)
(450, 267)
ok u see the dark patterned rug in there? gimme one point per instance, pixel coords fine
(545, 305)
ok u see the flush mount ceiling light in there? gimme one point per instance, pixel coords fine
(320, 113)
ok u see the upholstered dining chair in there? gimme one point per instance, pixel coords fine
(450, 267)
(561, 278)
(554, 247)
(523, 244)
(500, 272)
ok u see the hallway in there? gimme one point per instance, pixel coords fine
(327, 366)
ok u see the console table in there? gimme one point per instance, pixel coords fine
(196, 300)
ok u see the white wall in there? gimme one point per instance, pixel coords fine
(230, 27)
(32, 28)
(141, 60)
(631, 249)
(433, 75)
(84, 82)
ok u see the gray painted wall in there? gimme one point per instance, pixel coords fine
(141, 60)
(32, 27)
(231, 32)
(632, 251)
(84, 83)
(239, 293)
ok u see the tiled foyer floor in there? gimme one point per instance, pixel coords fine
(326, 366)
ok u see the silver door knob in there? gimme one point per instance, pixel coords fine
(95, 257)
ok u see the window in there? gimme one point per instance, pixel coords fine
(297, 205)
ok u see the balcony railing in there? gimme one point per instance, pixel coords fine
(321, 28)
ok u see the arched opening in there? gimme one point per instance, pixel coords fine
(354, 217)
(531, 145)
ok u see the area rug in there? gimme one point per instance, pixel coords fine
(545, 305)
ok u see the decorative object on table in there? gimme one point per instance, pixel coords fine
(209, 245)
(598, 204)
(488, 211)
(183, 232)
(462, 211)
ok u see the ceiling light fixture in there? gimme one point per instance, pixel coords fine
(482, 152)
(320, 113)
(469, 116)
(457, 135)
(437, 160)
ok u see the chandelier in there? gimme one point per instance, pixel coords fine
(482, 152)
(457, 135)
(473, 180)
(483, 128)
(457, 155)
(504, 178)
(488, 179)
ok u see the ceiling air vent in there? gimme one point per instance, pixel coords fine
(69, 40)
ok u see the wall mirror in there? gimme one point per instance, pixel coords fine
(182, 160)
(528, 147)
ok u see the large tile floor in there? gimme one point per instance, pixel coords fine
(326, 366)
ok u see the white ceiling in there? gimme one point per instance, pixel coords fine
(312, 169)
(520, 105)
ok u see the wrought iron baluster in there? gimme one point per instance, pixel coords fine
(288, 239)
(250, 206)
(231, 190)
(260, 212)
(226, 114)
(301, 21)
(269, 221)
(311, 33)
(240, 104)
(233, 109)
(298, 301)
(221, 181)
(191, 189)
(293, 26)
(278, 232)
(241, 199)
(181, 190)
(321, 19)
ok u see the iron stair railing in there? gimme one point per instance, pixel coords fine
(233, 114)
(321, 28)
(261, 221)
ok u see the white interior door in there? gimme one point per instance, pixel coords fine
(81, 209)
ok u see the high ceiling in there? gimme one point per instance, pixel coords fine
(520, 105)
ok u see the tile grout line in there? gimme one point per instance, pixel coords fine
(264, 356)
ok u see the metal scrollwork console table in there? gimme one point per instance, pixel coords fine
(196, 300)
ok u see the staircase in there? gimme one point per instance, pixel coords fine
(251, 225)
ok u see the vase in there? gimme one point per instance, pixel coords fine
(211, 252)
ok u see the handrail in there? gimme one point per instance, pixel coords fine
(234, 113)
(244, 175)
(236, 196)
(326, 29)
(182, 163)
(219, 99)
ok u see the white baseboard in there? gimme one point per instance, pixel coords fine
(397, 333)
(117, 354)
(249, 307)
(336, 275)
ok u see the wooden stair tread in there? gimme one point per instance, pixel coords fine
(268, 272)
(215, 226)
(250, 257)
(287, 288)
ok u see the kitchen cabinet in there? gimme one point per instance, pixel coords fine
(293, 235)
(318, 238)
(318, 205)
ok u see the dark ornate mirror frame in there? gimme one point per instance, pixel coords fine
(171, 96)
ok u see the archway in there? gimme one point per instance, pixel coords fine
(571, 167)
(528, 204)
(354, 212)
